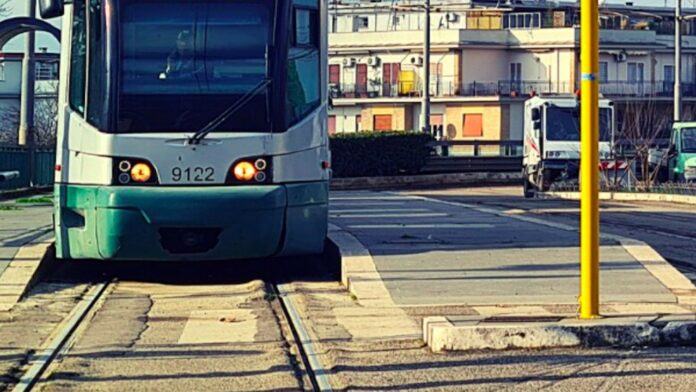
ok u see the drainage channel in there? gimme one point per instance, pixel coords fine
(306, 347)
(43, 359)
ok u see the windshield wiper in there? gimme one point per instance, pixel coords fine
(232, 109)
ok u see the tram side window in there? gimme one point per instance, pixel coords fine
(96, 71)
(303, 61)
(78, 56)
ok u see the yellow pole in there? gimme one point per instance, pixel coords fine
(589, 160)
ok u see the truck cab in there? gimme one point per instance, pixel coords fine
(682, 152)
(552, 140)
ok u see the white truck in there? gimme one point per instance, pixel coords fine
(552, 140)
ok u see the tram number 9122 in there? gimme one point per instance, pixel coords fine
(193, 174)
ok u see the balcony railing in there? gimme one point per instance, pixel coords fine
(506, 88)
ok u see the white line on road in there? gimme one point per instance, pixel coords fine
(403, 215)
(382, 210)
(426, 226)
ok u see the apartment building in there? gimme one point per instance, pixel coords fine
(487, 57)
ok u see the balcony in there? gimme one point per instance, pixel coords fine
(506, 88)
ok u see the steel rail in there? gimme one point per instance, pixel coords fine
(315, 369)
(66, 330)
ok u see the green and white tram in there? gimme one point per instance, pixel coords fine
(191, 129)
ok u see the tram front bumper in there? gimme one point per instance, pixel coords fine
(187, 223)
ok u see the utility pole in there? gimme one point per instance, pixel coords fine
(677, 61)
(425, 104)
(589, 160)
(25, 135)
(26, 116)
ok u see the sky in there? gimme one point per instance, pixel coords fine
(45, 40)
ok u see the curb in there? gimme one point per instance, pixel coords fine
(443, 335)
(27, 267)
(17, 193)
(360, 276)
(625, 196)
(356, 183)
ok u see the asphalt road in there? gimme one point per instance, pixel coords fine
(669, 228)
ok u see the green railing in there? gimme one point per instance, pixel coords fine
(14, 158)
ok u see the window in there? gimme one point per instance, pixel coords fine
(360, 23)
(358, 123)
(46, 71)
(522, 20)
(332, 125)
(96, 75)
(473, 125)
(191, 61)
(603, 72)
(382, 122)
(635, 72)
(2, 72)
(516, 72)
(78, 58)
(303, 61)
(563, 124)
(668, 73)
(334, 74)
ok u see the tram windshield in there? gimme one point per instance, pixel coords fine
(184, 62)
(563, 124)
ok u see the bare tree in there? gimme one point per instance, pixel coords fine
(5, 8)
(45, 118)
(46, 115)
(641, 127)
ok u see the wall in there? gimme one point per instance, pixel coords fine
(402, 117)
(492, 117)
(484, 65)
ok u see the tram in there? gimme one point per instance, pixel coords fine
(191, 129)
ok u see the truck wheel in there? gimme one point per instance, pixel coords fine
(527, 188)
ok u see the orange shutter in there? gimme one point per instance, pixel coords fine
(383, 122)
(332, 125)
(473, 125)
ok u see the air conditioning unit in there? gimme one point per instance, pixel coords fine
(417, 60)
(621, 57)
(373, 61)
(452, 17)
(349, 62)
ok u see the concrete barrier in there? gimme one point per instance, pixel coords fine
(626, 196)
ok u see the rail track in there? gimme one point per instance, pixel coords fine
(58, 342)
(42, 363)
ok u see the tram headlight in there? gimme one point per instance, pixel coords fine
(141, 172)
(244, 171)
(133, 171)
(251, 170)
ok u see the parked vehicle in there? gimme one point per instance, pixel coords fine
(678, 161)
(552, 140)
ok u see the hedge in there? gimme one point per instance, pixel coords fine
(369, 154)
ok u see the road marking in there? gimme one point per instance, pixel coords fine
(369, 198)
(402, 215)
(383, 210)
(220, 326)
(370, 204)
(426, 226)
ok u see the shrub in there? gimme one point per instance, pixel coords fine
(369, 154)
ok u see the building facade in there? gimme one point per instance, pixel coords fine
(46, 68)
(487, 58)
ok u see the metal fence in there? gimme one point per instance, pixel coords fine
(467, 156)
(14, 158)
